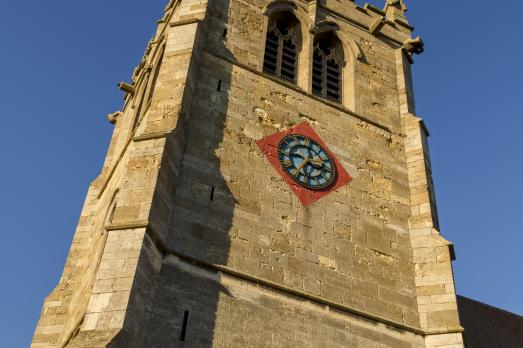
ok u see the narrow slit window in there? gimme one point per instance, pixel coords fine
(212, 193)
(184, 325)
(219, 86)
(281, 47)
(326, 67)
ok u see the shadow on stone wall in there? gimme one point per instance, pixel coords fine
(180, 303)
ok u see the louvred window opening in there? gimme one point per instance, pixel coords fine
(281, 51)
(326, 72)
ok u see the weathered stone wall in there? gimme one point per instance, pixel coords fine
(227, 311)
(112, 261)
(353, 246)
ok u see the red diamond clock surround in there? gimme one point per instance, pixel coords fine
(305, 163)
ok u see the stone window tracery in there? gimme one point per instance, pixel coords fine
(147, 87)
(282, 47)
(327, 62)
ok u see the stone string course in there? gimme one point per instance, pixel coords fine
(183, 176)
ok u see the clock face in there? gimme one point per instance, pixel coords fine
(306, 162)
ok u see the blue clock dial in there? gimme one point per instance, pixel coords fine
(306, 162)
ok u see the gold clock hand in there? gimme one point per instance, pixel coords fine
(317, 162)
(300, 167)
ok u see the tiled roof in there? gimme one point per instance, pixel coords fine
(489, 327)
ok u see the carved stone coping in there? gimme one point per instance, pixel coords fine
(184, 22)
(369, 10)
(151, 136)
(127, 225)
(404, 24)
(374, 9)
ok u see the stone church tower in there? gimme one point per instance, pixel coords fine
(268, 184)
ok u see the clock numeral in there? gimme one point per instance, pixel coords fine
(307, 142)
(328, 168)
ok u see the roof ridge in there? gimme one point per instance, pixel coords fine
(491, 306)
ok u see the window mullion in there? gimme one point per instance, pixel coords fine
(324, 76)
(280, 55)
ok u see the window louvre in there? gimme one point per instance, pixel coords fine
(317, 74)
(271, 53)
(326, 72)
(281, 50)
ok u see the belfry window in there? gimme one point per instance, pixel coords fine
(282, 47)
(327, 63)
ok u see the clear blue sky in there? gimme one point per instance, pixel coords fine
(61, 61)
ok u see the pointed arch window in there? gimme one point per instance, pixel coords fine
(282, 47)
(147, 88)
(154, 79)
(327, 65)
